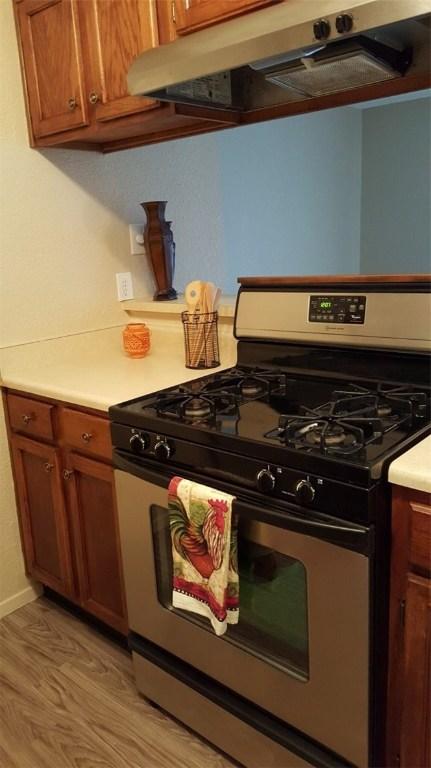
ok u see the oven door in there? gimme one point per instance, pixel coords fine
(301, 647)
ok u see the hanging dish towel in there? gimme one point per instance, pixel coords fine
(204, 550)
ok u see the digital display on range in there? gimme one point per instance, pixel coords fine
(337, 309)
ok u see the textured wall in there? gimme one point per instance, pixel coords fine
(291, 196)
(396, 188)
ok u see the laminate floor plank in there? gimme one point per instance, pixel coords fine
(68, 700)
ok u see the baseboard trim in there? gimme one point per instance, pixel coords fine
(20, 599)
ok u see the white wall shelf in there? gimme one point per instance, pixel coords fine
(147, 305)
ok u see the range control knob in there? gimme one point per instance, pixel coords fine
(138, 443)
(163, 450)
(304, 492)
(344, 23)
(265, 481)
(321, 29)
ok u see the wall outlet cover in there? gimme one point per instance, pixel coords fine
(136, 235)
(124, 286)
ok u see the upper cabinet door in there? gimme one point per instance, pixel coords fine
(196, 14)
(52, 59)
(117, 32)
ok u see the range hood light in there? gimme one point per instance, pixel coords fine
(343, 65)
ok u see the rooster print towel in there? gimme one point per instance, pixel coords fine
(204, 550)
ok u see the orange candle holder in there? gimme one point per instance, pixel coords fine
(136, 339)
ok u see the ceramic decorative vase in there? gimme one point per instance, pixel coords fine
(136, 339)
(160, 247)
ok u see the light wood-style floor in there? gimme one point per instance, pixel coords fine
(68, 700)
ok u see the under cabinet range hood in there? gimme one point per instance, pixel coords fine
(293, 50)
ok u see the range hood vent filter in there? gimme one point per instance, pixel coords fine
(352, 64)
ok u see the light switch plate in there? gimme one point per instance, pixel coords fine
(136, 235)
(124, 286)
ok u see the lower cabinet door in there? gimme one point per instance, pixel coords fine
(415, 726)
(42, 513)
(93, 511)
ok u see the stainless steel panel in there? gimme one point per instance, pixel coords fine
(332, 706)
(265, 34)
(404, 323)
(226, 731)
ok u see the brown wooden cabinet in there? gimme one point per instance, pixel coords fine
(75, 55)
(96, 538)
(52, 48)
(197, 14)
(115, 32)
(44, 526)
(409, 690)
(64, 484)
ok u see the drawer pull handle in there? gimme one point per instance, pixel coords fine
(27, 418)
(67, 474)
(86, 437)
(48, 467)
(93, 97)
(72, 104)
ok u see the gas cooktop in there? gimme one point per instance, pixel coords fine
(311, 416)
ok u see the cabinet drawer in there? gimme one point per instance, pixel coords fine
(89, 434)
(420, 536)
(30, 417)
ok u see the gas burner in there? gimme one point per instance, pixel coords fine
(252, 387)
(384, 410)
(329, 434)
(197, 408)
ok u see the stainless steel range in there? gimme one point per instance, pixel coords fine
(332, 382)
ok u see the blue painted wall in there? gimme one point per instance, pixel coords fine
(291, 196)
(396, 188)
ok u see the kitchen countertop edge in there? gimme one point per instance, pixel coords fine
(413, 468)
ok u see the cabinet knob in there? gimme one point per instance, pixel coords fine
(86, 437)
(93, 97)
(27, 418)
(48, 467)
(67, 474)
(72, 104)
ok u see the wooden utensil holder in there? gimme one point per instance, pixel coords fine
(201, 339)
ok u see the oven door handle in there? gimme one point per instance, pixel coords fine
(347, 535)
(323, 527)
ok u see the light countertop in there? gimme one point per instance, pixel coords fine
(413, 468)
(91, 369)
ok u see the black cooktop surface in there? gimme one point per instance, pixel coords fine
(310, 415)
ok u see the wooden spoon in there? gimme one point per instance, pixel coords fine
(210, 293)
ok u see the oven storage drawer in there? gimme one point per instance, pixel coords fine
(245, 732)
(301, 648)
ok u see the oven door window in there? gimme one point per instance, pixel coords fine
(273, 614)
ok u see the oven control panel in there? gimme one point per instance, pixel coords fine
(337, 309)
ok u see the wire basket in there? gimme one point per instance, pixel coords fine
(201, 339)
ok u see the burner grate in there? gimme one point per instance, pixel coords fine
(393, 402)
(248, 384)
(323, 428)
